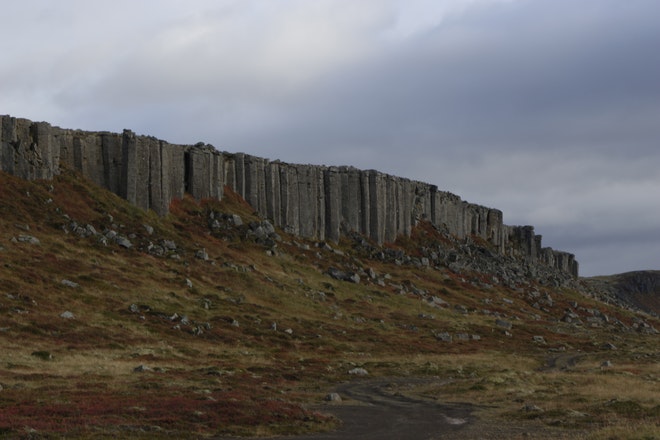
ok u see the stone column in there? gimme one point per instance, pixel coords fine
(333, 203)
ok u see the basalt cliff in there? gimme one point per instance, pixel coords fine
(312, 201)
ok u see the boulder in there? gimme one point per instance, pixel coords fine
(123, 242)
(333, 397)
(29, 239)
(70, 284)
(444, 337)
(142, 369)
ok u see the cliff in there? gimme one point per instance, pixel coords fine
(311, 201)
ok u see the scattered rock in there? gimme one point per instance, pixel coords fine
(236, 220)
(169, 245)
(577, 414)
(532, 408)
(149, 229)
(461, 309)
(606, 364)
(333, 397)
(70, 284)
(358, 372)
(67, 315)
(504, 324)
(539, 339)
(142, 369)
(123, 242)
(570, 317)
(343, 276)
(608, 346)
(436, 301)
(29, 239)
(444, 337)
(22, 226)
(43, 355)
(189, 283)
(202, 255)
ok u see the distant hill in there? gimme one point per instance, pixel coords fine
(639, 289)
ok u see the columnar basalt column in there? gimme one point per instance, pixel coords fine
(307, 200)
(255, 183)
(333, 202)
(351, 199)
(290, 199)
(376, 230)
(311, 201)
(273, 193)
(111, 144)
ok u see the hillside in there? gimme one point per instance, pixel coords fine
(210, 322)
(639, 289)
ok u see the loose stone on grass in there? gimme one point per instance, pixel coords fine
(43, 355)
(142, 369)
(69, 283)
(333, 397)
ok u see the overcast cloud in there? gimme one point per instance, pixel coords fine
(546, 109)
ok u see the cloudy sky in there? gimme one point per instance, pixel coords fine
(546, 109)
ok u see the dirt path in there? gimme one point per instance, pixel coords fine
(384, 409)
(378, 410)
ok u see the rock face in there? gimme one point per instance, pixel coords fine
(311, 201)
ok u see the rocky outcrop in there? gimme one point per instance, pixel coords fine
(311, 201)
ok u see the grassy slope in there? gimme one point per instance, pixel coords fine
(76, 376)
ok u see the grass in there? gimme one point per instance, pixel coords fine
(206, 376)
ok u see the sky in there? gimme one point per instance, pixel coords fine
(548, 110)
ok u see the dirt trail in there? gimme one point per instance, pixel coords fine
(384, 409)
(377, 410)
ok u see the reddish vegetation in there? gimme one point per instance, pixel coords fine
(76, 412)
